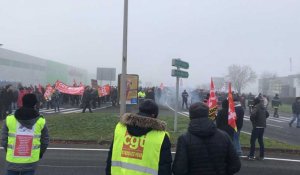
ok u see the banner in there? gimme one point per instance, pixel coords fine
(132, 84)
(49, 91)
(63, 88)
(231, 110)
(104, 90)
(212, 102)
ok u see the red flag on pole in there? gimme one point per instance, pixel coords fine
(231, 110)
(40, 89)
(212, 102)
(161, 86)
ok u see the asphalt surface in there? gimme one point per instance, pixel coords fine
(277, 128)
(67, 162)
(89, 162)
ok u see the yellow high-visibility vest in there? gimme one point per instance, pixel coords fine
(23, 143)
(136, 155)
(141, 94)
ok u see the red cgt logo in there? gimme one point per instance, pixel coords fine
(133, 147)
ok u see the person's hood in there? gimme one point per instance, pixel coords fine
(27, 116)
(138, 125)
(225, 104)
(202, 127)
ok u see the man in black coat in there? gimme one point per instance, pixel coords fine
(296, 112)
(239, 110)
(222, 119)
(204, 149)
(86, 99)
(141, 124)
(258, 118)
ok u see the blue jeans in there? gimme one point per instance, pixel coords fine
(236, 143)
(296, 116)
(20, 172)
(257, 133)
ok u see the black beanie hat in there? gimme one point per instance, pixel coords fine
(148, 108)
(29, 100)
(198, 110)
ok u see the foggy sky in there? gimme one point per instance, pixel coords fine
(209, 34)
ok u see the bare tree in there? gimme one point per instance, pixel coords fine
(240, 76)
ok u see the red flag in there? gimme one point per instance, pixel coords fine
(161, 86)
(212, 102)
(40, 89)
(74, 83)
(103, 90)
(231, 110)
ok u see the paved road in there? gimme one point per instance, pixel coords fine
(277, 128)
(69, 110)
(67, 162)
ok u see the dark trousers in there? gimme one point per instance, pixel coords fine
(184, 102)
(257, 133)
(275, 112)
(86, 105)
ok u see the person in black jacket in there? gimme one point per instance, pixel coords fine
(141, 124)
(258, 118)
(204, 149)
(86, 99)
(239, 110)
(296, 112)
(222, 119)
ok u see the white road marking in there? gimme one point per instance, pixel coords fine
(278, 159)
(178, 112)
(275, 126)
(106, 150)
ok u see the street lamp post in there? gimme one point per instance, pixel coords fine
(124, 60)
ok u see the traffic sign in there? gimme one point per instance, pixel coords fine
(179, 73)
(180, 64)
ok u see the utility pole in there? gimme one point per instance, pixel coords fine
(124, 60)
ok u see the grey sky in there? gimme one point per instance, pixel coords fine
(210, 34)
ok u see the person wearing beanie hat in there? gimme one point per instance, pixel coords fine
(204, 149)
(146, 140)
(26, 124)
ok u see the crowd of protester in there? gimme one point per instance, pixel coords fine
(11, 98)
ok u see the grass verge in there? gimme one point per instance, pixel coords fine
(99, 127)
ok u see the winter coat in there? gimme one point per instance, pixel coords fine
(239, 110)
(276, 102)
(296, 107)
(184, 96)
(15, 96)
(222, 120)
(259, 116)
(87, 97)
(205, 150)
(139, 125)
(8, 97)
(27, 117)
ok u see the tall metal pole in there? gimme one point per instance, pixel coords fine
(176, 104)
(124, 60)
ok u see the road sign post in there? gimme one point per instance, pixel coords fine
(178, 74)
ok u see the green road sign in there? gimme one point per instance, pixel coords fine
(180, 64)
(180, 73)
